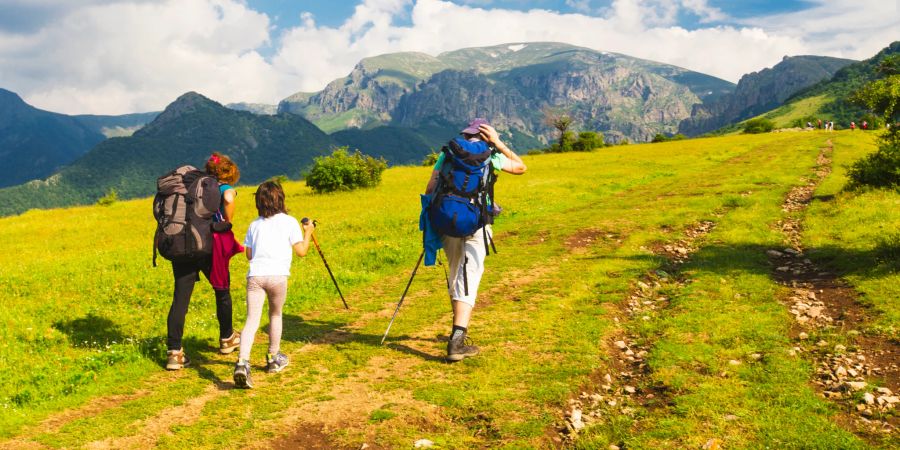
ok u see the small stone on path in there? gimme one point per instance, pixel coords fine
(424, 443)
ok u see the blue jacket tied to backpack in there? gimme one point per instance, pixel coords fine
(462, 203)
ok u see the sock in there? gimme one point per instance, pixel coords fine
(457, 332)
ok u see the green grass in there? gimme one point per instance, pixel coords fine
(785, 116)
(858, 235)
(84, 314)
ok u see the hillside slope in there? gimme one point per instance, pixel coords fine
(35, 143)
(829, 99)
(712, 357)
(185, 133)
(762, 91)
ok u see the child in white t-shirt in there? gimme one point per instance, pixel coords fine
(271, 241)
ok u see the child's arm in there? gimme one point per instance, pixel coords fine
(248, 252)
(301, 247)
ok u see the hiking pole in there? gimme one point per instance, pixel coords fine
(402, 297)
(305, 220)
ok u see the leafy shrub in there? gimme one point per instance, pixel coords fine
(111, 197)
(431, 159)
(586, 141)
(280, 179)
(760, 125)
(343, 171)
(660, 137)
(881, 168)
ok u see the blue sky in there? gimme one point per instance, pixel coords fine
(121, 56)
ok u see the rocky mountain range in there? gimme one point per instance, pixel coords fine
(512, 84)
(761, 91)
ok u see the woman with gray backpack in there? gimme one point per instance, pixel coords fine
(194, 210)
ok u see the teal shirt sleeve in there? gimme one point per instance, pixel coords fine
(440, 161)
(498, 160)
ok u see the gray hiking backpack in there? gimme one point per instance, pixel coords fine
(186, 200)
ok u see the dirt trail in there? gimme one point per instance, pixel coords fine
(151, 429)
(860, 373)
(353, 400)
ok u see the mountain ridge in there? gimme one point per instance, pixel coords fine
(372, 93)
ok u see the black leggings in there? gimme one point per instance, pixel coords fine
(186, 274)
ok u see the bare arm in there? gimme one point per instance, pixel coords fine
(514, 164)
(248, 252)
(302, 247)
(229, 206)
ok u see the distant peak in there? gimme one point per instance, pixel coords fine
(188, 103)
(7, 96)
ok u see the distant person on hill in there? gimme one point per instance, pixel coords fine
(819, 123)
(215, 268)
(466, 253)
(809, 125)
(852, 126)
(271, 241)
(865, 125)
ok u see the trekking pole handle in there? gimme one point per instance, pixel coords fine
(305, 220)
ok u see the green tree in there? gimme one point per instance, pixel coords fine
(562, 121)
(881, 168)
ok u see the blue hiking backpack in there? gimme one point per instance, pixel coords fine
(463, 200)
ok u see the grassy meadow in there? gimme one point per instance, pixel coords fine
(83, 313)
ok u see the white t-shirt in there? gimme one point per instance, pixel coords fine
(272, 241)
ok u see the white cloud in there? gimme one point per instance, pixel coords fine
(641, 28)
(116, 56)
(135, 56)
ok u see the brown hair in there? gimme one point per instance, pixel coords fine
(270, 199)
(223, 168)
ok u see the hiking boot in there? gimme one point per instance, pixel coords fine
(460, 348)
(242, 375)
(275, 364)
(230, 343)
(176, 359)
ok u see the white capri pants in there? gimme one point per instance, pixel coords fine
(465, 259)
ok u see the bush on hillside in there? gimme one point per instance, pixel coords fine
(111, 197)
(343, 171)
(760, 125)
(280, 179)
(586, 141)
(431, 159)
(882, 168)
(660, 137)
(879, 169)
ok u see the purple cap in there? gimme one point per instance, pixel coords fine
(473, 126)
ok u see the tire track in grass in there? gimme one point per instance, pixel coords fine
(625, 386)
(152, 428)
(859, 373)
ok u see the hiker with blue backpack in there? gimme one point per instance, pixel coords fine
(461, 210)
